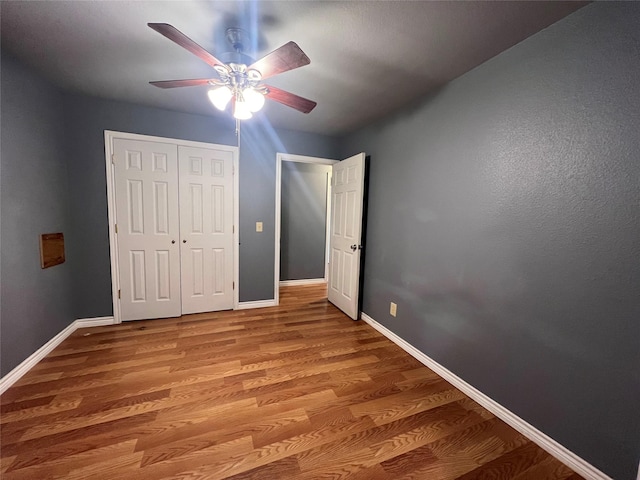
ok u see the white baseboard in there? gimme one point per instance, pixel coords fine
(94, 322)
(563, 454)
(17, 373)
(304, 281)
(256, 304)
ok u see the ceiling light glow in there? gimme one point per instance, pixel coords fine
(220, 97)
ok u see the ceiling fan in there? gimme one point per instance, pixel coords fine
(240, 78)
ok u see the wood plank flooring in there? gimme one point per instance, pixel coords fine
(298, 391)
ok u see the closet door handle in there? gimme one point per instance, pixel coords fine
(173, 241)
(184, 241)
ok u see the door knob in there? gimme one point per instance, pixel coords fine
(173, 241)
(184, 241)
(354, 247)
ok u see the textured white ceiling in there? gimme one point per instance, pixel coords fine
(367, 58)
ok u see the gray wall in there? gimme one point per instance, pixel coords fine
(303, 220)
(504, 220)
(53, 179)
(35, 303)
(260, 144)
(86, 119)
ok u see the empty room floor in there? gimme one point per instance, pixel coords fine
(298, 391)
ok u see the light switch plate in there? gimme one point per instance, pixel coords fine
(258, 226)
(393, 309)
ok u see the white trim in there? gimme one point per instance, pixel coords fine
(566, 456)
(236, 228)
(327, 226)
(287, 157)
(32, 360)
(111, 220)
(109, 137)
(256, 304)
(277, 228)
(94, 322)
(17, 373)
(304, 281)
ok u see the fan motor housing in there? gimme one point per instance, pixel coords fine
(236, 57)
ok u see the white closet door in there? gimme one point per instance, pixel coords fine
(206, 228)
(146, 184)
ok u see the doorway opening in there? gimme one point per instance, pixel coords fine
(303, 205)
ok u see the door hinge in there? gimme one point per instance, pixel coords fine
(234, 285)
(116, 225)
(118, 293)
(113, 158)
(233, 229)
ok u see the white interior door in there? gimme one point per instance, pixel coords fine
(146, 184)
(206, 228)
(346, 234)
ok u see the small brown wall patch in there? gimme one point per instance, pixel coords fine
(51, 249)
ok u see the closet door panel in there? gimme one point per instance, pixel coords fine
(206, 228)
(146, 187)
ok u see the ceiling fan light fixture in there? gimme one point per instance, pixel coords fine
(254, 99)
(240, 74)
(220, 97)
(241, 109)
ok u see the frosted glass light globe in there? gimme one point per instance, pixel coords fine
(220, 97)
(241, 110)
(254, 99)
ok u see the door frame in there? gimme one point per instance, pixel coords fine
(288, 157)
(109, 136)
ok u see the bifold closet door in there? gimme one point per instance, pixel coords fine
(146, 188)
(206, 228)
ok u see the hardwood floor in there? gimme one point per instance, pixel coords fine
(298, 391)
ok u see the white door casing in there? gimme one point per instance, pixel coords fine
(119, 210)
(146, 192)
(288, 157)
(346, 234)
(206, 228)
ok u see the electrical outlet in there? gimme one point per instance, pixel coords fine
(258, 226)
(393, 309)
